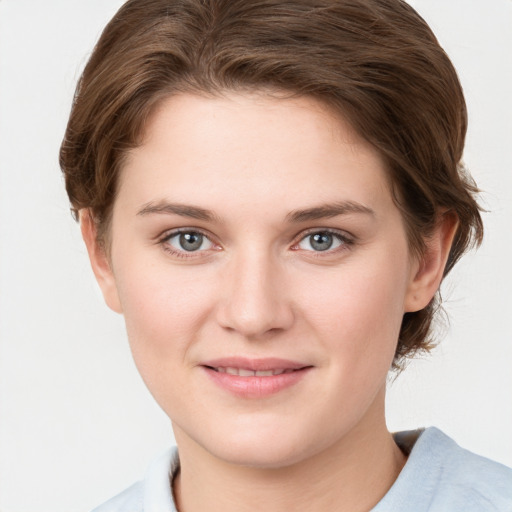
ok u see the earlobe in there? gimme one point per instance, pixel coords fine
(100, 262)
(428, 271)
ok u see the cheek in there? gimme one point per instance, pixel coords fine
(164, 310)
(358, 313)
(356, 302)
(358, 318)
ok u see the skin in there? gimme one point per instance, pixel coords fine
(257, 288)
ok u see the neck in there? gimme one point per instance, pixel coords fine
(352, 475)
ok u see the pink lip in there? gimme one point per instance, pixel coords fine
(271, 363)
(255, 386)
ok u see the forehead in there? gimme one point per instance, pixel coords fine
(256, 149)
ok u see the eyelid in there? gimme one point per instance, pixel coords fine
(171, 233)
(346, 238)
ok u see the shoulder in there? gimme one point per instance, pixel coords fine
(130, 500)
(470, 480)
(153, 493)
(440, 476)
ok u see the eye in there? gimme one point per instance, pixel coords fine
(188, 241)
(320, 241)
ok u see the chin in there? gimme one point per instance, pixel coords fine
(259, 455)
(261, 446)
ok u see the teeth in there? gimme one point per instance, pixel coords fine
(242, 372)
(264, 373)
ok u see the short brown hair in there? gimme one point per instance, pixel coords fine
(376, 62)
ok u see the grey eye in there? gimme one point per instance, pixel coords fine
(190, 241)
(320, 241)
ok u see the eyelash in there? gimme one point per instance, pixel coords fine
(164, 242)
(346, 242)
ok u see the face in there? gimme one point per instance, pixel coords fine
(263, 271)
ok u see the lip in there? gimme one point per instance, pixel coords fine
(255, 386)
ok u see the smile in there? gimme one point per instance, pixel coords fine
(255, 378)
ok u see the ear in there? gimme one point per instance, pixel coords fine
(428, 270)
(100, 261)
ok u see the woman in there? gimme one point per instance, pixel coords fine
(271, 193)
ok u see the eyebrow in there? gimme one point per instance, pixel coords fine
(184, 210)
(323, 211)
(329, 210)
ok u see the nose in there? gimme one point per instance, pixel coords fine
(255, 301)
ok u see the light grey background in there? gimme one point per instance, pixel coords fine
(76, 423)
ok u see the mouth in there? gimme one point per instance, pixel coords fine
(255, 378)
(244, 372)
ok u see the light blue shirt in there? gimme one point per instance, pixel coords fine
(439, 476)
